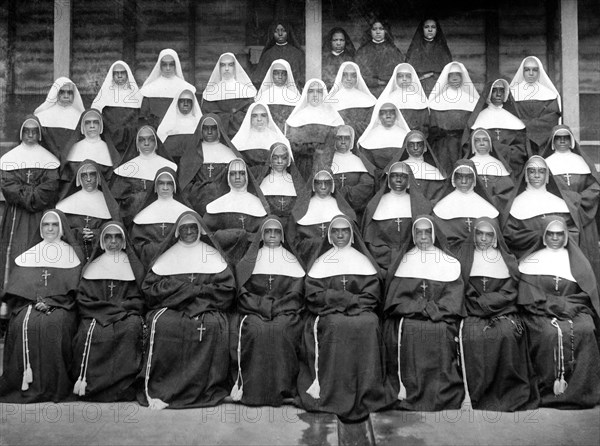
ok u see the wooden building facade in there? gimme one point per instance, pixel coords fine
(43, 39)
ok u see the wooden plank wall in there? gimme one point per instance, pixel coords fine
(3, 67)
(589, 46)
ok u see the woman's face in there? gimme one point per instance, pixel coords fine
(423, 235)
(237, 176)
(340, 237)
(146, 141)
(387, 116)
(185, 103)
(280, 159)
(280, 77)
(31, 134)
(113, 240)
(188, 233)
(531, 71)
(536, 175)
(562, 143)
(455, 80)
(227, 67)
(89, 179)
(415, 146)
(464, 179)
(167, 66)
(66, 95)
(280, 34)
(338, 42)
(482, 143)
(349, 77)
(323, 184)
(119, 74)
(210, 131)
(272, 235)
(165, 187)
(315, 94)
(259, 119)
(343, 140)
(555, 239)
(497, 96)
(398, 181)
(377, 32)
(50, 227)
(429, 30)
(403, 78)
(484, 236)
(91, 126)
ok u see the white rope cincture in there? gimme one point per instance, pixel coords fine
(315, 389)
(402, 391)
(153, 403)
(27, 372)
(238, 390)
(466, 404)
(81, 383)
(560, 385)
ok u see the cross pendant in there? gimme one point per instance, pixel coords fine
(484, 280)
(556, 280)
(162, 227)
(485, 180)
(424, 287)
(344, 282)
(242, 218)
(271, 279)
(87, 221)
(398, 221)
(497, 131)
(323, 230)
(202, 329)
(568, 178)
(45, 276)
(192, 277)
(282, 202)
(343, 178)
(468, 221)
(210, 168)
(28, 175)
(111, 286)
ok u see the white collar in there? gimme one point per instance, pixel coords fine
(163, 210)
(57, 254)
(533, 202)
(493, 117)
(344, 98)
(81, 202)
(110, 266)
(278, 184)
(269, 93)
(422, 170)
(144, 167)
(346, 163)
(163, 87)
(393, 206)
(176, 123)
(324, 114)
(490, 166)
(277, 261)
(248, 138)
(380, 137)
(561, 163)
(240, 202)
(414, 98)
(339, 262)
(28, 157)
(547, 262)
(460, 205)
(216, 153)
(238, 88)
(489, 263)
(434, 264)
(198, 258)
(320, 210)
(113, 95)
(88, 149)
(443, 97)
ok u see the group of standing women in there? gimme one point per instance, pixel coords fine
(393, 241)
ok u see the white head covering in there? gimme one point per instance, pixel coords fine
(144, 166)
(164, 209)
(113, 95)
(541, 90)
(394, 204)
(342, 98)
(51, 114)
(24, 156)
(94, 149)
(433, 264)
(324, 114)
(532, 202)
(376, 136)
(269, 93)
(240, 86)
(487, 164)
(276, 183)
(347, 162)
(158, 86)
(237, 200)
(341, 261)
(495, 117)
(82, 202)
(320, 210)
(176, 123)
(248, 138)
(562, 163)
(276, 261)
(412, 97)
(489, 262)
(444, 97)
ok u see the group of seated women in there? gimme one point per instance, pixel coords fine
(423, 250)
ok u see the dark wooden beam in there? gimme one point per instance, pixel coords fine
(191, 76)
(492, 43)
(129, 32)
(10, 48)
